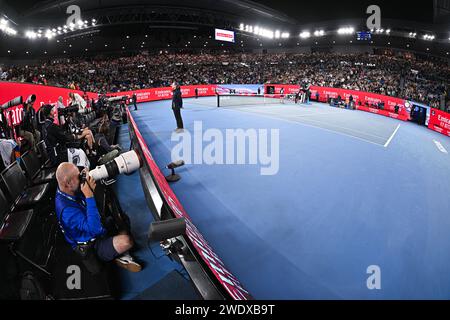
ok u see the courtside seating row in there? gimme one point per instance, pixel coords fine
(26, 207)
(29, 228)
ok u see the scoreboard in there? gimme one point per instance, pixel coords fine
(363, 36)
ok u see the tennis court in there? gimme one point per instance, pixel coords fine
(353, 190)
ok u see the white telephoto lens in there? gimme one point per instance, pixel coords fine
(128, 162)
(99, 173)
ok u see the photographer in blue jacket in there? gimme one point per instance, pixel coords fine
(80, 219)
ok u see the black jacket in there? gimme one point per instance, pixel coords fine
(177, 100)
(56, 142)
(29, 120)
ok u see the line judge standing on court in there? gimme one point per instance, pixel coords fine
(177, 105)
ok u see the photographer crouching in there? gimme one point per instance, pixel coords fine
(81, 223)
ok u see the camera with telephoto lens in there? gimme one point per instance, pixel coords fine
(67, 111)
(126, 163)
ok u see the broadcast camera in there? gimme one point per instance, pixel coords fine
(126, 163)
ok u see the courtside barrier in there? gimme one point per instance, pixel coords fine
(226, 282)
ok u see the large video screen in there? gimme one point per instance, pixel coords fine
(224, 35)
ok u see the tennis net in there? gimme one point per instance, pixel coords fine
(234, 100)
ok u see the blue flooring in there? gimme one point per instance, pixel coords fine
(337, 206)
(158, 270)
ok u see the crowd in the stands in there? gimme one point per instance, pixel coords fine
(421, 81)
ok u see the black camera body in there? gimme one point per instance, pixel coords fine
(67, 111)
(83, 177)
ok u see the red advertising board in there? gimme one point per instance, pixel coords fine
(439, 121)
(358, 96)
(216, 266)
(399, 116)
(44, 95)
(154, 94)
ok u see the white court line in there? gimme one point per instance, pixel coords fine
(308, 125)
(345, 128)
(328, 124)
(440, 146)
(392, 137)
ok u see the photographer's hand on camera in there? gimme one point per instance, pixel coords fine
(88, 187)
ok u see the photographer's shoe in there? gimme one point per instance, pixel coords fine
(126, 261)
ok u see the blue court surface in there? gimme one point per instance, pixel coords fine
(353, 190)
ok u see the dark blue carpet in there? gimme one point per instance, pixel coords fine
(157, 267)
(337, 206)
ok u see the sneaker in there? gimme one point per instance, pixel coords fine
(126, 261)
(179, 130)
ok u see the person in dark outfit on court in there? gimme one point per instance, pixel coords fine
(177, 104)
(134, 100)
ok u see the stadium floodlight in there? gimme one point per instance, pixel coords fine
(241, 27)
(388, 31)
(30, 34)
(429, 37)
(256, 30)
(319, 33)
(6, 28)
(277, 34)
(49, 34)
(80, 22)
(305, 35)
(285, 35)
(346, 31)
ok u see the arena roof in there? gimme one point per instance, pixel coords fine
(39, 11)
(148, 24)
